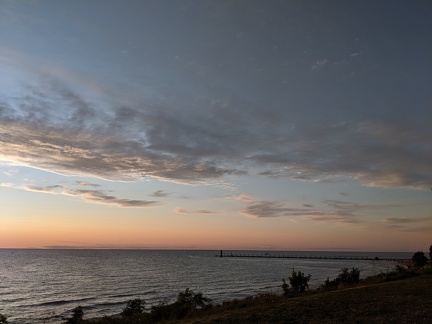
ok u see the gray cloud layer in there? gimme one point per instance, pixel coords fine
(55, 129)
(343, 212)
(275, 209)
(286, 90)
(180, 210)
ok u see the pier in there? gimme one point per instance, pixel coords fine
(311, 257)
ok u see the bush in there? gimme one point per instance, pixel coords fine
(133, 308)
(419, 259)
(192, 300)
(77, 316)
(331, 284)
(400, 268)
(186, 303)
(425, 270)
(345, 277)
(3, 319)
(298, 281)
(349, 277)
(162, 311)
(189, 301)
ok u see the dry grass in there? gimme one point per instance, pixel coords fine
(406, 298)
(402, 301)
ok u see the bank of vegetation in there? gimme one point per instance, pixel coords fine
(403, 295)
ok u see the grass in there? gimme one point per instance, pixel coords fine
(403, 296)
(407, 300)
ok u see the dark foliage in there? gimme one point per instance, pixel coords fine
(192, 300)
(419, 259)
(349, 277)
(298, 283)
(430, 252)
(77, 316)
(133, 308)
(3, 319)
(160, 312)
(185, 304)
(345, 277)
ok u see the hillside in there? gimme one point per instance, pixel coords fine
(391, 298)
(402, 301)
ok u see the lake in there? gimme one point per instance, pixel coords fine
(38, 286)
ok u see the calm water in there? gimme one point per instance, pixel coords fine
(39, 286)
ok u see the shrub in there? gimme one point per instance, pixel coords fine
(419, 259)
(133, 308)
(3, 319)
(331, 284)
(425, 270)
(160, 312)
(186, 303)
(192, 300)
(430, 252)
(349, 277)
(189, 301)
(345, 277)
(298, 281)
(400, 268)
(77, 316)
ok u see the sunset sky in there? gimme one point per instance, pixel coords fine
(273, 125)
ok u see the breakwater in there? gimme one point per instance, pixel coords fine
(312, 257)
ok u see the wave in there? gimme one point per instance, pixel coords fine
(64, 302)
(108, 305)
(65, 279)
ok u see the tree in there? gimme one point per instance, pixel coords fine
(77, 316)
(298, 281)
(192, 300)
(349, 277)
(419, 259)
(430, 252)
(345, 277)
(3, 319)
(133, 308)
(186, 303)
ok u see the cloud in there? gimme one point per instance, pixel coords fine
(119, 144)
(265, 209)
(180, 210)
(320, 63)
(339, 217)
(48, 189)
(245, 198)
(160, 193)
(350, 206)
(101, 198)
(7, 184)
(55, 127)
(402, 224)
(93, 196)
(270, 209)
(390, 156)
(336, 211)
(87, 184)
(405, 220)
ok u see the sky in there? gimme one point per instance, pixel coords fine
(270, 125)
